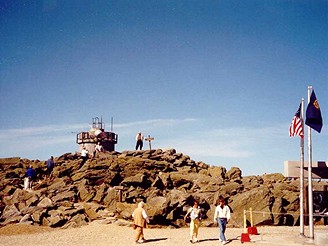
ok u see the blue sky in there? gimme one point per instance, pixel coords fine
(219, 81)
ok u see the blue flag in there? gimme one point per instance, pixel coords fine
(313, 114)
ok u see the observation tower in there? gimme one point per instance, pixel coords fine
(97, 134)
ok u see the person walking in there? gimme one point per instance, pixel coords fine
(30, 176)
(84, 156)
(195, 217)
(140, 220)
(50, 166)
(222, 217)
(139, 139)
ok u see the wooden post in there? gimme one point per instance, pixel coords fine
(252, 229)
(245, 229)
(251, 216)
(120, 192)
(149, 139)
(245, 236)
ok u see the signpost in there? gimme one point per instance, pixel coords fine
(149, 139)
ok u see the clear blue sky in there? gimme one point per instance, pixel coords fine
(219, 81)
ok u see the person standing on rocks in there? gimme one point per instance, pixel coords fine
(98, 148)
(222, 217)
(139, 139)
(50, 166)
(195, 217)
(30, 176)
(140, 220)
(84, 156)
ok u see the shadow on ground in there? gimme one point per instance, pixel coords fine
(217, 239)
(155, 239)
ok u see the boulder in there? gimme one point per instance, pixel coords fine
(85, 192)
(156, 207)
(77, 221)
(111, 197)
(260, 200)
(10, 211)
(107, 188)
(91, 210)
(38, 215)
(45, 203)
(66, 195)
(233, 174)
(26, 219)
(217, 172)
(56, 221)
(100, 194)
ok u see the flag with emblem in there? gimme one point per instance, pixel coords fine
(296, 127)
(313, 114)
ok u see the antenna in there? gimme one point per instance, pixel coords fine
(111, 124)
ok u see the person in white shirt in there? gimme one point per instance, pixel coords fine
(195, 216)
(98, 148)
(139, 139)
(84, 156)
(222, 217)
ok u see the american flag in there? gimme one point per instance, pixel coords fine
(296, 127)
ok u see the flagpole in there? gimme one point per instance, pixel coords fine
(310, 193)
(302, 174)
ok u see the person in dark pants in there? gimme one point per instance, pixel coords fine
(222, 217)
(84, 156)
(139, 139)
(50, 166)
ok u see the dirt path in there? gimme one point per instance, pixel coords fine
(97, 233)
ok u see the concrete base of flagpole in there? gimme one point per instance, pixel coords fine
(245, 238)
(252, 230)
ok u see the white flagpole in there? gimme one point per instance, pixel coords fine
(302, 173)
(310, 193)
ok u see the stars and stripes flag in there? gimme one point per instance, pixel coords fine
(296, 127)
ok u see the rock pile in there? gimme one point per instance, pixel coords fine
(107, 187)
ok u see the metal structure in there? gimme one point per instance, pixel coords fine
(97, 134)
(319, 169)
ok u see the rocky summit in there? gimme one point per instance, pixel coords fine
(108, 187)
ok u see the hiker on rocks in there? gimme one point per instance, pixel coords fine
(139, 139)
(140, 220)
(222, 217)
(50, 166)
(84, 156)
(195, 217)
(30, 176)
(98, 148)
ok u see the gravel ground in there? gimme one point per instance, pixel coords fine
(98, 233)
